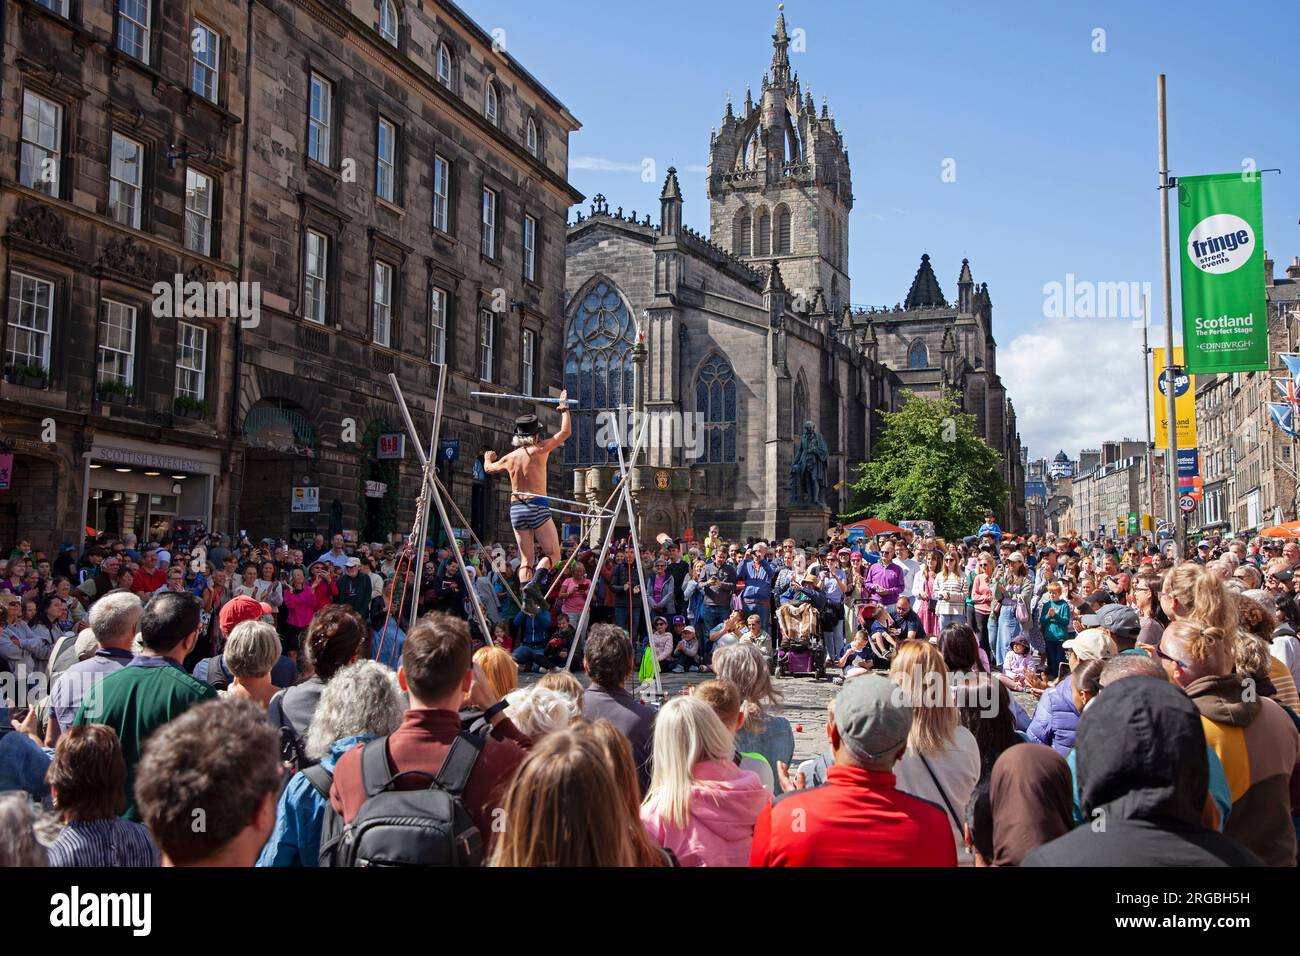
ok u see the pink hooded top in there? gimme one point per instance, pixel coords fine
(725, 804)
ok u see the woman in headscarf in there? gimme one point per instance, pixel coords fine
(1032, 799)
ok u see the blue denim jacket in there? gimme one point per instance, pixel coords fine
(300, 814)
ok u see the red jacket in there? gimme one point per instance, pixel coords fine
(422, 743)
(858, 818)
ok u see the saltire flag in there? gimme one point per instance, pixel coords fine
(1283, 415)
(1292, 362)
(1287, 386)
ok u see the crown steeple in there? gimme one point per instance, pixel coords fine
(780, 52)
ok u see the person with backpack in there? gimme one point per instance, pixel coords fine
(362, 702)
(335, 638)
(428, 793)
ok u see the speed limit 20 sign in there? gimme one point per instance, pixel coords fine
(1187, 503)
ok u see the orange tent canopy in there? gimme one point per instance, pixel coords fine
(1289, 530)
(876, 526)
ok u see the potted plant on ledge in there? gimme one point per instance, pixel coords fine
(113, 392)
(29, 376)
(187, 407)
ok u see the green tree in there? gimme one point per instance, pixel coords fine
(930, 463)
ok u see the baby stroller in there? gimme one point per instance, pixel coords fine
(803, 650)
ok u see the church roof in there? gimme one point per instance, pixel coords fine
(925, 292)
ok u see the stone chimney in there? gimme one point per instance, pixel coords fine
(1268, 269)
(1293, 270)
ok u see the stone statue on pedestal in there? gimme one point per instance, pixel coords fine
(808, 470)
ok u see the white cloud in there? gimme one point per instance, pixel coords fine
(1075, 383)
(602, 165)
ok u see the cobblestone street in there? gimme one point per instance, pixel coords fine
(804, 704)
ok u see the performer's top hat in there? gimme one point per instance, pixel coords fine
(527, 426)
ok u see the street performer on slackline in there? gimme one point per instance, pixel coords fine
(530, 509)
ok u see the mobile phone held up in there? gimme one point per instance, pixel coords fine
(1063, 671)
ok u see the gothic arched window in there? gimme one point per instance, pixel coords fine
(715, 400)
(597, 370)
(835, 295)
(918, 356)
(764, 232)
(799, 407)
(782, 230)
(740, 240)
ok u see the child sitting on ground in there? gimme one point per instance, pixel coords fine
(662, 643)
(1017, 664)
(858, 659)
(687, 653)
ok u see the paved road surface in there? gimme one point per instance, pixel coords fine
(804, 704)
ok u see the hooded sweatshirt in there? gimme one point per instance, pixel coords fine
(1259, 748)
(1143, 777)
(725, 804)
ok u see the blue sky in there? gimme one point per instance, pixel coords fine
(1054, 147)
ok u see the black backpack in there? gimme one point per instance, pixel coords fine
(217, 679)
(429, 827)
(293, 749)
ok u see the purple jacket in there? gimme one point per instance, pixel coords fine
(1056, 720)
(890, 577)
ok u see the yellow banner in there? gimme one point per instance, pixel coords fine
(1184, 401)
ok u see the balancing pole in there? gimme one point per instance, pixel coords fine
(522, 398)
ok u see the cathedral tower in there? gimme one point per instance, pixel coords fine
(779, 184)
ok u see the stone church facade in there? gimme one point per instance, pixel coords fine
(731, 343)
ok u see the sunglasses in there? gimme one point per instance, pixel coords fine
(1165, 657)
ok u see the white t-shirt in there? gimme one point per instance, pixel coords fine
(910, 567)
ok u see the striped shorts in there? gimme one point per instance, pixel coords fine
(531, 514)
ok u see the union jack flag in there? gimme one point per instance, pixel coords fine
(1287, 387)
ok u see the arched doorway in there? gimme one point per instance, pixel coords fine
(281, 453)
(378, 519)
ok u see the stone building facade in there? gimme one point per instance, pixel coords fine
(409, 198)
(751, 330)
(1103, 498)
(386, 186)
(1263, 490)
(119, 148)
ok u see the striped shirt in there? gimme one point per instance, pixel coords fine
(108, 842)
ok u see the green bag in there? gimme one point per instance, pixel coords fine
(647, 671)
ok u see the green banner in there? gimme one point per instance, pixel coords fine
(1221, 232)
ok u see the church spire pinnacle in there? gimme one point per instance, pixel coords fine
(780, 51)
